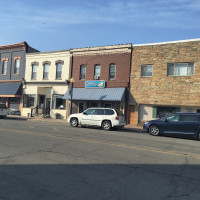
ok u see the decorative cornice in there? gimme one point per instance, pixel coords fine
(59, 61)
(46, 62)
(34, 63)
(22, 45)
(7, 81)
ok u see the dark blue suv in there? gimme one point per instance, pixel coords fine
(177, 123)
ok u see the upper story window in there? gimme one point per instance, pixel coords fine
(4, 67)
(46, 71)
(34, 71)
(58, 70)
(17, 66)
(112, 72)
(97, 71)
(180, 69)
(146, 70)
(82, 72)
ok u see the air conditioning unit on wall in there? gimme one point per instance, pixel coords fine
(96, 77)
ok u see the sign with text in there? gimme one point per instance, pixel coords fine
(94, 84)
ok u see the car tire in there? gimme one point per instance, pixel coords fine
(106, 125)
(154, 130)
(74, 122)
(198, 136)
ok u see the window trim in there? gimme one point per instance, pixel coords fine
(112, 64)
(53, 106)
(193, 68)
(16, 72)
(45, 63)
(32, 72)
(147, 65)
(80, 72)
(97, 65)
(4, 74)
(59, 78)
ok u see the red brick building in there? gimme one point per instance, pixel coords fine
(101, 77)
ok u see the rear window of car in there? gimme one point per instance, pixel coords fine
(109, 112)
(188, 118)
(119, 112)
(2, 106)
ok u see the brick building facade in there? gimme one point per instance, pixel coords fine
(12, 72)
(109, 64)
(165, 78)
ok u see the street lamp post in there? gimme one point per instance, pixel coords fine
(72, 82)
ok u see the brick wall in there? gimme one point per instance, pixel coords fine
(122, 62)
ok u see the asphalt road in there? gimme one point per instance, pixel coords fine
(43, 160)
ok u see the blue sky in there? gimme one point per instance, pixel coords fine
(49, 25)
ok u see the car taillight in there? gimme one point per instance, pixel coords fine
(117, 117)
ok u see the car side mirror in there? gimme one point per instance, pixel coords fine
(166, 120)
(84, 113)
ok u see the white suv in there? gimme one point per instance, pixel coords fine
(3, 110)
(102, 117)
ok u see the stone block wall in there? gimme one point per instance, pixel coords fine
(161, 89)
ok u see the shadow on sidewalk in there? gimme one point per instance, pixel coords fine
(16, 117)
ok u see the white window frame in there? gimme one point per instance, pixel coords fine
(176, 69)
(44, 71)
(5, 66)
(95, 70)
(112, 65)
(34, 72)
(82, 74)
(17, 66)
(57, 71)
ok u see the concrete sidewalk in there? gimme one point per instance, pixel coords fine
(63, 121)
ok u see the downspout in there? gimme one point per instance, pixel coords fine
(127, 102)
(71, 84)
(11, 54)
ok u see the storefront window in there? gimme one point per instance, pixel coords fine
(58, 102)
(14, 100)
(80, 107)
(108, 105)
(28, 100)
(94, 104)
(3, 100)
(159, 112)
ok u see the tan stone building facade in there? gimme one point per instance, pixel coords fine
(165, 78)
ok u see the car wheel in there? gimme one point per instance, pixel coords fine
(106, 125)
(154, 130)
(198, 136)
(74, 122)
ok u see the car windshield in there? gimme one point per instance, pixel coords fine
(89, 112)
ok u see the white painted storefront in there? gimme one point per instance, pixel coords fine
(43, 88)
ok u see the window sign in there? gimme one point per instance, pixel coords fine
(94, 84)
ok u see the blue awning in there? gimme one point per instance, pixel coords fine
(10, 88)
(91, 94)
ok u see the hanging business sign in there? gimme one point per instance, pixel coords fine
(94, 84)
